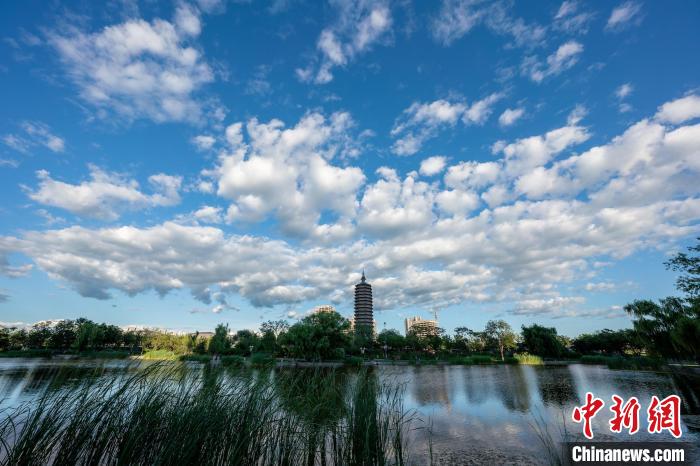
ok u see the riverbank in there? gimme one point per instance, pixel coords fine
(638, 363)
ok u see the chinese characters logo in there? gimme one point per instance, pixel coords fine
(661, 414)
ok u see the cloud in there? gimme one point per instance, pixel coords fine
(433, 165)
(680, 110)
(624, 90)
(570, 19)
(4, 297)
(565, 57)
(457, 17)
(289, 173)
(623, 15)
(543, 208)
(359, 26)
(421, 121)
(510, 116)
(203, 142)
(34, 134)
(105, 195)
(139, 69)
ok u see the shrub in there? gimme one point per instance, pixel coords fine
(635, 363)
(232, 361)
(593, 359)
(353, 361)
(529, 359)
(479, 359)
(164, 355)
(30, 353)
(511, 360)
(105, 354)
(261, 360)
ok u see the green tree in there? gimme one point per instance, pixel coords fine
(62, 335)
(670, 328)
(318, 335)
(392, 338)
(542, 341)
(500, 335)
(220, 342)
(246, 341)
(689, 267)
(472, 341)
(39, 335)
(5, 338)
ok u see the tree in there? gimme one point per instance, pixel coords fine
(542, 341)
(220, 342)
(321, 335)
(38, 336)
(501, 335)
(5, 338)
(246, 341)
(689, 267)
(392, 338)
(670, 328)
(473, 342)
(62, 335)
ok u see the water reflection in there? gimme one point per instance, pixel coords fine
(466, 407)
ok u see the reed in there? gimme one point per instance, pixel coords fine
(168, 413)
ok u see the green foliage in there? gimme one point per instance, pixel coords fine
(355, 361)
(262, 360)
(542, 341)
(232, 360)
(689, 267)
(292, 418)
(317, 336)
(160, 355)
(500, 336)
(203, 358)
(32, 353)
(529, 359)
(620, 362)
(607, 342)
(220, 342)
(479, 359)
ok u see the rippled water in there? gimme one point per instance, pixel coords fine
(465, 411)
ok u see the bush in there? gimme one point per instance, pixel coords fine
(261, 360)
(479, 359)
(164, 355)
(635, 363)
(232, 361)
(355, 361)
(593, 359)
(511, 360)
(529, 359)
(31, 353)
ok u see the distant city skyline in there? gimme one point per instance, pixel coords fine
(184, 164)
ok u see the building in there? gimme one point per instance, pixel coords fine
(421, 327)
(364, 317)
(323, 308)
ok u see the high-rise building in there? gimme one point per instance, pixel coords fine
(421, 327)
(323, 308)
(364, 316)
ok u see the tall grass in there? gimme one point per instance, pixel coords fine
(166, 414)
(529, 359)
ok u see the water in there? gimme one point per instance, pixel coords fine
(466, 412)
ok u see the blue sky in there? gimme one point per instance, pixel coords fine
(189, 163)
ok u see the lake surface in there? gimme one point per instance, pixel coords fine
(467, 413)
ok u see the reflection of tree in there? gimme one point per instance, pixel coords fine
(512, 389)
(557, 387)
(317, 398)
(430, 385)
(475, 385)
